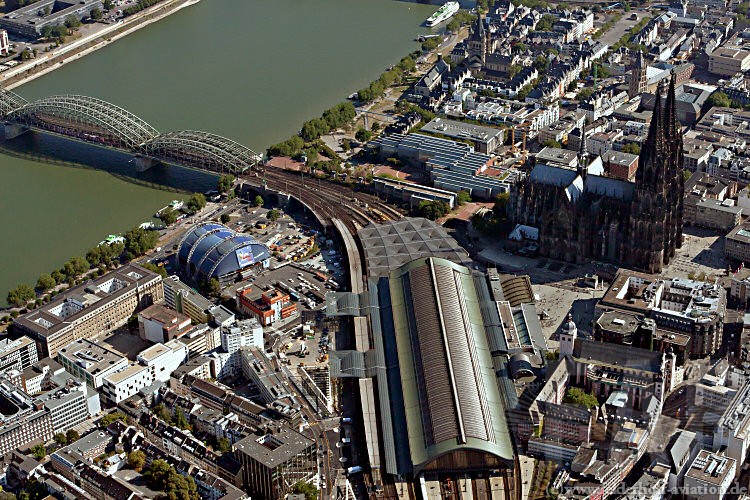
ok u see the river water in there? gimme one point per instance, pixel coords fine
(251, 70)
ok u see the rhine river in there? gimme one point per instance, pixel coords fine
(251, 70)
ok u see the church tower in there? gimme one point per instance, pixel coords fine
(638, 78)
(568, 336)
(655, 227)
(478, 44)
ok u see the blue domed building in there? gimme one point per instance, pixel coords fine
(212, 250)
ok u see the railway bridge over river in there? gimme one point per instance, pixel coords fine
(103, 124)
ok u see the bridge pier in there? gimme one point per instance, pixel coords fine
(143, 163)
(13, 130)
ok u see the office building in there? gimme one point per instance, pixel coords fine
(732, 432)
(186, 300)
(737, 244)
(67, 406)
(29, 20)
(709, 477)
(155, 364)
(485, 139)
(17, 354)
(728, 61)
(97, 307)
(158, 323)
(273, 461)
(90, 362)
(22, 419)
(267, 307)
(681, 305)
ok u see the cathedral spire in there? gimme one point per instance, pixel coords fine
(672, 123)
(651, 164)
(583, 154)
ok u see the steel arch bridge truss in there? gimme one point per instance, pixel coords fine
(10, 101)
(86, 118)
(202, 150)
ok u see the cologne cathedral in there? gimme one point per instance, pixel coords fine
(582, 216)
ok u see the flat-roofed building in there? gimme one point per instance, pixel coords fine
(728, 61)
(30, 20)
(737, 243)
(680, 305)
(23, 420)
(275, 460)
(158, 323)
(17, 354)
(712, 214)
(710, 476)
(732, 432)
(182, 298)
(485, 139)
(267, 307)
(92, 309)
(155, 364)
(90, 362)
(621, 165)
(67, 406)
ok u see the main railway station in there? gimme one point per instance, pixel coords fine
(428, 348)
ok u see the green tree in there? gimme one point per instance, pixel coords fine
(273, 215)
(546, 22)
(585, 93)
(431, 44)
(161, 476)
(58, 276)
(433, 210)
(307, 489)
(514, 69)
(196, 202)
(463, 197)
(551, 143)
(225, 218)
(226, 182)
(290, 147)
(156, 269)
(109, 418)
(519, 47)
(577, 396)
(168, 216)
(45, 282)
(718, 99)
(223, 445)
(96, 14)
(363, 135)
(136, 460)
(212, 287)
(21, 295)
(108, 4)
(632, 147)
(72, 22)
(163, 413)
(138, 241)
(258, 201)
(75, 267)
(72, 435)
(61, 439)
(39, 451)
(181, 420)
(541, 62)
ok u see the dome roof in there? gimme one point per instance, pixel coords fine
(569, 326)
(211, 250)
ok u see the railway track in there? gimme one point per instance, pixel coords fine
(355, 209)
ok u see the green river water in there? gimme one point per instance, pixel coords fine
(251, 70)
